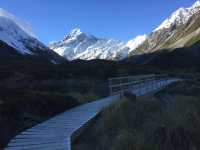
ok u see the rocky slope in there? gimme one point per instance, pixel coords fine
(181, 29)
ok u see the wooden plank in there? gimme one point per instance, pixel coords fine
(56, 133)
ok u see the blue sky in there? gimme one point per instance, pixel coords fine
(119, 19)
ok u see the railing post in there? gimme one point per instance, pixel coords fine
(121, 89)
(110, 86)
(141, 86)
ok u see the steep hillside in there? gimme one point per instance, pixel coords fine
(17, 36)
(181, 29)
(182, 58)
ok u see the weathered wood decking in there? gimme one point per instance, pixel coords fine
(55, 134)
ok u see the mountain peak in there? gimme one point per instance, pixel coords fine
(74, 33)
(78, 45)
(196, 4)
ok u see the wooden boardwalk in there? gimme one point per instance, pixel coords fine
(55, 134)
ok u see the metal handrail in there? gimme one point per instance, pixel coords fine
(121, 84)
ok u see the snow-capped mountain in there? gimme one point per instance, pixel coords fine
(181, 29)
(181, 16)
(78, 45)
(23, 25)
(19, 36)
(134, 43)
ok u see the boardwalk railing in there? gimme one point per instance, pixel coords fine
(119, 85)
(56, 133)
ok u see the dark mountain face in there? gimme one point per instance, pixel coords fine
(12, 62)
(9, 53)
(188, 57)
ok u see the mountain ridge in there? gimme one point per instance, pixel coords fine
(176, 31)
(13, 32)
(79, 45)
(181, 29)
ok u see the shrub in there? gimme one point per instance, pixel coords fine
(147, 125)
(129, 95)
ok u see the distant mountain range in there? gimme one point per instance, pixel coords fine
(181, 29)
(78, 45)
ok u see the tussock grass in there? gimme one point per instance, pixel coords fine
(144, 124)
(26, 101)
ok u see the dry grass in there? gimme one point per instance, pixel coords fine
(145, 124)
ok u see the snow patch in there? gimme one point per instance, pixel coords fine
(136, 42)
(24, 26)
(16, 34)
